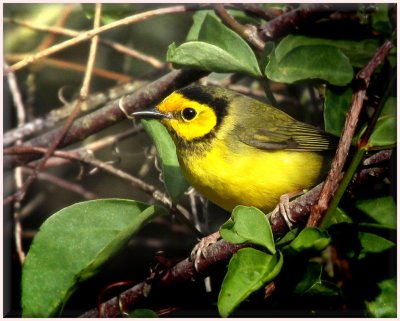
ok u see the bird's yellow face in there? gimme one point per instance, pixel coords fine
(187, 118)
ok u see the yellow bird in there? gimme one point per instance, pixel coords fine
(236, 150)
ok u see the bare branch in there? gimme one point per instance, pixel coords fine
(91, 33)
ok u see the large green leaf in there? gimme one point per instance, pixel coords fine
(248, 224)
(72, 245)
(175, 182)
(310, 62)
(248, 270)
(217, 49)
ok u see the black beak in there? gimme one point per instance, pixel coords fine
(150, 114)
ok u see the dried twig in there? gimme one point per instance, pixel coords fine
(73, 33)
(73, 187)
(247, 32)
(63, 64)
(333, 179)
(287, 22)
(21, 117)
(91, 33)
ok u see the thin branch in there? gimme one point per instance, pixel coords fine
(21, 117)
(247, 32)
(75, 188)
(63, 64)
(111, 113)
(60, 22)
(73, 33)
(252, 9)
(333, 179)
(91, 33)
(92, 55)
(291, 20)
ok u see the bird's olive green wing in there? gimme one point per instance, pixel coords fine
(275, 130)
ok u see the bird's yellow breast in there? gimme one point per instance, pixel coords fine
(245, 175)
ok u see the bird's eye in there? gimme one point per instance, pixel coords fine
(188, 113)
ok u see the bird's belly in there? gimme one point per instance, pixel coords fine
(253, 177)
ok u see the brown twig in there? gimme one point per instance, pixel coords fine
(73, 33)
(333, 179)
(252, 9)
(60, 22)
(63, 64)
(91, 33)
(75, 188)
(21, 117)
(291, 20)
(111, 113)
(247, 32)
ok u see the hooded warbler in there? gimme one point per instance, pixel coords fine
(236, 150)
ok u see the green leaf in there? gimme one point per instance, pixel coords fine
(248, 224)
(382, 210)
(311, 239)
(218, 49)
(385, 130)
(372, 243)
(358, 52)
(248, 271)
(336, 105)
(312, 284)
(175, 182)
(72, 245)
(385, 303)
(310, 62)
